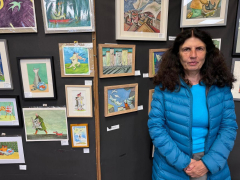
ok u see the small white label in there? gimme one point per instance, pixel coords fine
(145, 75)
(3, 134)
(88, 82)
(171, 38)
(64, 143)
(137, 73)
(86, 150)
(44, 104)
(23, 167)
(160, 35)
(7, 85)
(28, 94)
(140, 107)
(113, 127)
(14, 122)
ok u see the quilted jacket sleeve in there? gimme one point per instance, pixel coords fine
(161, 138)
(216, 158)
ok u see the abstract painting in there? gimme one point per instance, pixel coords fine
(120, 99)
(17, 16)
(116, 60)
(45, 124)
(80, 137)
(76, 59)
(155, 58)
(68, 16)
(11, 150)
(217, 42)
(79, 100)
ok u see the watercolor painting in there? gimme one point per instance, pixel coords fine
(79, 134)
(45, 124)
(17, 16)
(2, 79)
(7, 111)
(142, 15)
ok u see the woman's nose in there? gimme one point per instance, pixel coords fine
(193, 53)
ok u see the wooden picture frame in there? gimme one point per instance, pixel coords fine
(141, 21)
(151, 91)
(37, 77)
(202, 16)
(79, 135)
(236, 40)
(155, 58)
(117, 59)
(236, 85)
(5, 70)
(120, 99)
(82, 95)
(76, 59)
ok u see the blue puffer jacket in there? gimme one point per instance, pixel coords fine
(170, 127)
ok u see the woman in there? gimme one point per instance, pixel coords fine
(192, 121)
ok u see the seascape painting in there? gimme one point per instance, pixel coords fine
(45, 124)
(2, 79)
(79, 135)
(17, 16)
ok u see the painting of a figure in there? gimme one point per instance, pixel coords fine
(7, 111)
(2, 79)
(80, 100)
(79, 135)
(45, 124)
(37, 76)
(17, 16)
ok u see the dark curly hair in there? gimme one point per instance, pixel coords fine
(213, 72)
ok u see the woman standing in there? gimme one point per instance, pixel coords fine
(192, 121)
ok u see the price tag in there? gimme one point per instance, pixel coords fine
(28, 94)
(23, 167)
(44, 104)
(88, 82)
(7, 85)
(171, 38)
(140, 107)
(113, 127)
(137, 73)
(88, 45)
(64, 143)
(86, 150)
(145, 75)
(3, 134)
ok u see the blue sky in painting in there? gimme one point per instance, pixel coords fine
(68, 53)
(128, 4)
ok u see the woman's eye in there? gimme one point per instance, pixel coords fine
(186, 49)
(200, 48)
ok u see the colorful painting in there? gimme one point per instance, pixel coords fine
(217, 43)
(79, 134)
(155, 59)
(68, 15)
(45, 124)
(2, 79)
(17, 16)
(11, 150)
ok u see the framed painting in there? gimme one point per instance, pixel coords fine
(5, 71)
(203, 13)
(116, 60)
(76, 59)
(68, 16)
(79, 100)
(151, 92)
(141, 20)
(236, 41)
(10, 111)
(217, 43)
(236, 85)
(155, 58)
(11, 150)
(17, 16)
(120, 99)
(80, 137)
(45, 124)
(37, 77)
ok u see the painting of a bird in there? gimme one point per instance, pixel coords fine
(15, 4)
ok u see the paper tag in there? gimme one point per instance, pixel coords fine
(160, 35)
(86, 150)
(88, 45)
(7, 85)
(44, 104)
(137, 73)
(140, 107)
(14, 122)
(88, 82)
(23, 167)
(113, 127)
(64, 143)
(171, 38)
(3, 134)
(28, 94)
(145, 75)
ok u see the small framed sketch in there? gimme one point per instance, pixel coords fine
(236, 41)
(236, 85)
(116, 60)
(204, 13)
(151, 92)
(45, 124)
(80, 137)
(120, 99)
(79, 100)
(37, 77)
(141, 20)
(17, 16)
(76, 59)
(5, 72)
(68, 16)
(10, 114)
(11, 150)
(217, 43)
(155, 58)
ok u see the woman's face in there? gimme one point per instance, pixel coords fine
(192, 55)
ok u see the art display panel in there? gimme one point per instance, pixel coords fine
(202, 13)
(68, 16)
(17, 16)
(80, 137)
(120, 99)
(76, 59)
(79, 100)
(236, 85)
(155, 58)
(11, 150)
(141, 19)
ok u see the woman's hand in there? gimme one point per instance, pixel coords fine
(190, 166)
(198, 170)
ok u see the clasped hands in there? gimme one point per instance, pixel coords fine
(196, 169)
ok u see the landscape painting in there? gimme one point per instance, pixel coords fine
(155, 58)
(11, 150)
(80, 136)
(68, 16)
(17, 16)
(45, 124)
(116, 60)
(120, 99)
